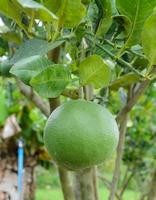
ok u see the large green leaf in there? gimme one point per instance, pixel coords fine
(29, 67)
(39, 10)
(106, 20)
(52, 81)
(34, 47)
(149, 39)
(71, 13)
(93, 70)
(137, 11)
(124, 81)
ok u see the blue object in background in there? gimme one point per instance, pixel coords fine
(20, 166)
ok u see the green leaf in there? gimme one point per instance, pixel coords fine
(4, 68)
(137, 11)
(29, 67)
(71, 13)
(34, 47)
(11, 10)
(124, 23)
(106, 20)
(53, 5)
(93, 70)
(124, 81)
(39, 10)
(149, 39)
(86, 1)
(52, 81)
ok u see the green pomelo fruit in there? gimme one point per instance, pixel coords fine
(80, 134)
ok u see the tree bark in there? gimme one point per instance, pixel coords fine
(86, 183)
(66, 184)
(9, 177)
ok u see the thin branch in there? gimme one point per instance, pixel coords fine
(34, 97)
(117, 59)
(132, 101)
(116, 174)
(125, 185)
(107, 183)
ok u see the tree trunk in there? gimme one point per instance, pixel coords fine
(9, 180)
(86, 184)
(66, 184)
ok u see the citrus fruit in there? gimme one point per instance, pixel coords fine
(80, 134)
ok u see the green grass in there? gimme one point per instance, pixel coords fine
(56, 194)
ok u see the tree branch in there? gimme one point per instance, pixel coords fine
(34, 97)
(122, 121)
(107, 184)
(132, 101)
(120, 147)
(126, 183)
